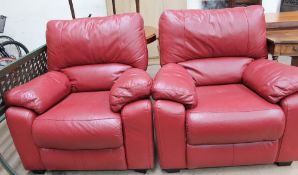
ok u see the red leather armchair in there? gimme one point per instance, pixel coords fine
(92, 110)
(219, 101)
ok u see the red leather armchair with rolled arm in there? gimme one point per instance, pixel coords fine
(92, 110)
(219, 101)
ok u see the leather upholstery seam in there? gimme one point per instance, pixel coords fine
(61, 45)
(195, 112)
(233, 160)
(282, 138)
(35, 145)
(248, 34)
(123, 129)
(145, 45)
(160, 151)
(79, 120)
(184, 37)
(149, 135)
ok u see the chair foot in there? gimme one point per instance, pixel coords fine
(283, 163)
(172, 170)
(143, 171)
(38, 171)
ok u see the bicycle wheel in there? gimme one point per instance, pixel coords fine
(4, 38)
(12, 49)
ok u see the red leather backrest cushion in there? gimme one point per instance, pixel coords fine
(216, 71)
(96, 77)
(192, 34)
(113, 39)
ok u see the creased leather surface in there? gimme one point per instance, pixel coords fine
(201, 156)
(105, 159)
(215, 71)
(289, 142)
(81, 121)
(40, 93)
(173, 83)
(19, 121)
(169, 123)
(132, 85)
(271, 80)
(232, 114)
(192, 34)
(85, 41)
(138, 134)
(94, 77)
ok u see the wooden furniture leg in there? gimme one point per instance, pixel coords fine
(114, 7)
(294, 61)
(72, 9)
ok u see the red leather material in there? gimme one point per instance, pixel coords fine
(192, 34)
(134, 84)
(289, 142)
(40, 93)
(81, 121)
(231, 154)
(106, 159)
(94, 77)
(19, 121)
(172, 82)
(232, 114)
(169, 122)
(85, 41)
(215, 71)
(63, 119)
(275, 80)
(138, 134)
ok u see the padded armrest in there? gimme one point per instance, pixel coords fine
(134, 84)
(272, 80)
(41, 93)
(173, 83)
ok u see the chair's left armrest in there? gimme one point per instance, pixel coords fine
(174, 83)
(134, 84)
(41, 93)
(271, 80)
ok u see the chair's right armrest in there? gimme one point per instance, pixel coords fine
(41, 93)
(289, 142)
(174, 83)
(271, 80)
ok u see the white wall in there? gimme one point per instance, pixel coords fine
(271, 6)
(26, 19)
(194, 4)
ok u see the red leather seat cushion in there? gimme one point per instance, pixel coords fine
(232, 114)
(81, 121)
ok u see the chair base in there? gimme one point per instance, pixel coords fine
(283, 163)
(172, 170)
(143, 171)
(38, 171)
